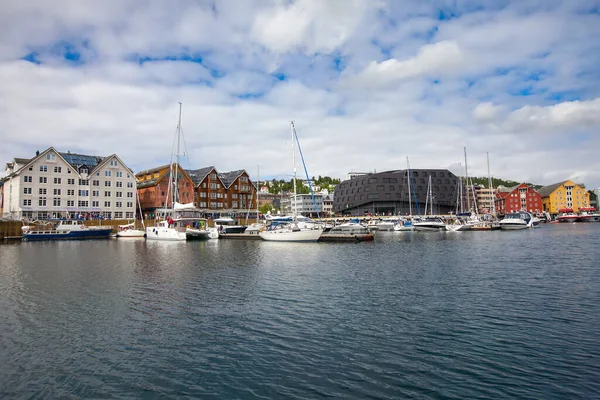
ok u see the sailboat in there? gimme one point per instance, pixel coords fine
(255, 228)
(296, 230)
(431, 222)
(178, 222)
(406, 225)
(129, 230)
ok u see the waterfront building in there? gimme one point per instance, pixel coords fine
(565, 194)
(54, 184)
(223, 192)
(153, 188)
(1, 197)
(594, 194)
(517, 198)
(327, 205)
(485, 199)
(304, 204)
(386, 193)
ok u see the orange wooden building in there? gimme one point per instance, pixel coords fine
(152, 188)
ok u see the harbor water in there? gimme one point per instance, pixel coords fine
(464, 315)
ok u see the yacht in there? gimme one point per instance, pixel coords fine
(65, 229)
(430, 224)
(518, 220)
(227, 225)
(351, 227)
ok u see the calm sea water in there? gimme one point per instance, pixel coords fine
(424, 315)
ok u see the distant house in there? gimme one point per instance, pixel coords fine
(54, 184)
(154, 192)
(565, 194)
(517, 198)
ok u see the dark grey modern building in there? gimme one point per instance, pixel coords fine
(386, 193)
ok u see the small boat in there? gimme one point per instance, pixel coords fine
(518, 220)
(430, 224)
(352, 227)
(129, 230)
(460, 225)
(589, 214)
(386, 224)
(404, 225)
(66, 230)
(227, 225)
(567, 215)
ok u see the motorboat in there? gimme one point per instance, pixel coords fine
(567, 215)
(386, 224)
(518, 220)
(588, 214)
(352, 227)
(290, 232)
(180, 223)
(129, 230)
(404, 225)
(65, 230)
(430, 224)
(460, 225)
(227, 225)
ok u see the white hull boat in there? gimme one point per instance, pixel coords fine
(164, 232)
(129, 231)
(291, 235)
(518, 220)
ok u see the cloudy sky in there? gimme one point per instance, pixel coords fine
(367, 83)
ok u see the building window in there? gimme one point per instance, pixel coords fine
(43, 168)
(119, 184)
(28, 179)
(71, 181)
(107, 183)
(213, 176)
(56, 202)
(42, 202)
(57, 181)
(83, 203)
(95, 183)
(27, 190)
(118, 204)
(57, 170)
(27, 202)
(50, 156)
(107, 173)
(107, 204)
(129, 204)
(95, 203)
(129, 184)
(129, 194)
(84, 193)
(70, 203)
(119, 174)
(70, 192)
(119, 194)
(84, 182)
(43, 179)
(107, 193)
(42, 191)
(113, 163)
(57, 192)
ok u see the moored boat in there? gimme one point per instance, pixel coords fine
(518, 220)
(66, 230)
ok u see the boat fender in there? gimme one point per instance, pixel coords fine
(81, 226)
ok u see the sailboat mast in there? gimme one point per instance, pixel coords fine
(176, 183)
(294, 162)
(467, 181)
(430, 197)
(257, 189)
(492, 209)
(408, 181)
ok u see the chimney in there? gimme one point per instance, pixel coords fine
(37, 153)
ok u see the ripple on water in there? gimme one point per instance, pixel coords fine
(475, 315)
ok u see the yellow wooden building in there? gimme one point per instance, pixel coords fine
(564, 195)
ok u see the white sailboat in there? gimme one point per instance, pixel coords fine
(431, 222)
(293, 231)
(406, 224)
(129, 230)
(178, 222)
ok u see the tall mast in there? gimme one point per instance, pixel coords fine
(431, 198)
(467, 181)
(294, 161)
(408, 180)
(257, 188)
(176, 183)
(490, 188)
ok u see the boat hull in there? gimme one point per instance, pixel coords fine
(131, 233)
(198, 234)
(284, 235)
(512, 227)
(68, 235)
(166, 234)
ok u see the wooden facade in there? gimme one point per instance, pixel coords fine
(152, 188)
(566, 194)
(517, 198)
(225, 192)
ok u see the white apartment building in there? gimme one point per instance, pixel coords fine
(54, 185)
(303, 204)
(485, 199)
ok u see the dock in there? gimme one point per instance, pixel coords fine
(239, 236)
(336, 237)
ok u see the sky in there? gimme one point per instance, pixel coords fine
(367, 83)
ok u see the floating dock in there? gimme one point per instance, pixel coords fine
(239, 236)
(336, 237)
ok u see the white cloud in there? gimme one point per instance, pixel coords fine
(432, 59)
(572, 114)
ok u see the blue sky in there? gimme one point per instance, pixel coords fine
(367, 83)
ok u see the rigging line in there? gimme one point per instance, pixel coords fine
(306, 172)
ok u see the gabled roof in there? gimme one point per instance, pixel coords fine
(229, 177)
(22, 160)
(152, 170)
(152, 182)
(545, 191)
(37, 157)
(198, 175)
